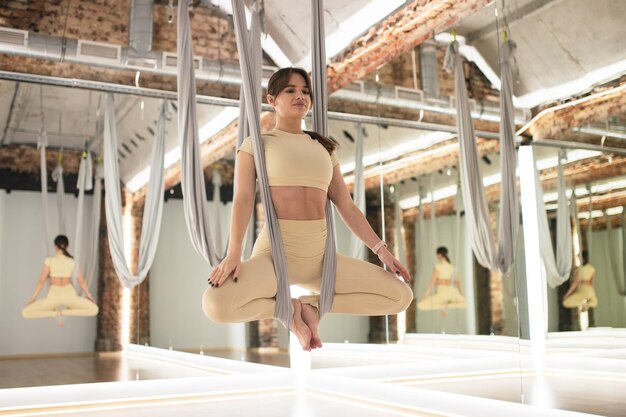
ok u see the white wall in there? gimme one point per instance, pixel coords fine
(178, 279)
(22, 252)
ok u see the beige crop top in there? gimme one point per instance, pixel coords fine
(60, 266)
(586, 272)
(444, 270)
(295, 160)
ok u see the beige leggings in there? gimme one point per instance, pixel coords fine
(361, 288)
(446, 296)
(60, 296)
(584, 293)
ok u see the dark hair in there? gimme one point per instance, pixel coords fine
(443, 251)
(62, 242)
(280, 80)
(585, 256)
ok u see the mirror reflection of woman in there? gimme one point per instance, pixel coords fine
(447, 286)
(58, 269)
(303, 172)
(581, 293)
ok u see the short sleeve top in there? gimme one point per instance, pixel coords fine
(295, 160)
(60, 266)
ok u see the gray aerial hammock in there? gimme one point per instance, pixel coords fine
(283, 297)
(474, 198)
(57, 176)
(153, 209)
(558, 270)
(357, 247)
(84, 183)
(398, 227)
(613, 252)
(192, 181)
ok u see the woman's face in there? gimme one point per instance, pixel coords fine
(294, 101)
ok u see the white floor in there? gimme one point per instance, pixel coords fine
(452, 376)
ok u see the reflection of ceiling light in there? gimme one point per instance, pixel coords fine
(212, 127)
(495, 178)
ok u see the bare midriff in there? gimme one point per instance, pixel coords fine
(60, 280)
(298, 203)
(444, 282)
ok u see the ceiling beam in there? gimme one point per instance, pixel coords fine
(407, 28)
(598, 107)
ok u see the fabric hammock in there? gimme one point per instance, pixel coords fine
(57, 176)
(398, 228)
(153, 209)
(243, 127)
(476, 210)
(91, 263)
(357, 248)
(85, 183)
(573, 204)
(616, 251)
(558, 270)
(85, 180)
(283, 297)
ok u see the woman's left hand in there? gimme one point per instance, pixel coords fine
(393, 264)
(90, 298)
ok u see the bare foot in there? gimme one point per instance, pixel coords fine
(311, 317)
(299, 327)
(444, 312)
(59, 319)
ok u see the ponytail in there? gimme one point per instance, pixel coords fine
(62, 242)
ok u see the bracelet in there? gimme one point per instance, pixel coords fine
(377, 247)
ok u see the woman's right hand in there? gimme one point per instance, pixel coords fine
(32, 300)
(230, 265)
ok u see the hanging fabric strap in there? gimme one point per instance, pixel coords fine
(43, 171)
(243, 128)
(473, 190)
(93, 238)
(613, 254)
(458, 207)
(557, 270)
(573, 204)
(320, 125)
(589, 222)
(283, 306)
(398, 223)
(195, 204)
(357, 248)
(217, 185)
(84, 183)
(57, 176)
(153, 209)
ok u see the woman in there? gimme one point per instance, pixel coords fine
(303, 171)
(59, 270)
(581, 293)
(446, 294)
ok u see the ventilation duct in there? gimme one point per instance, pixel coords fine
(140, 33)
(429, 69)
